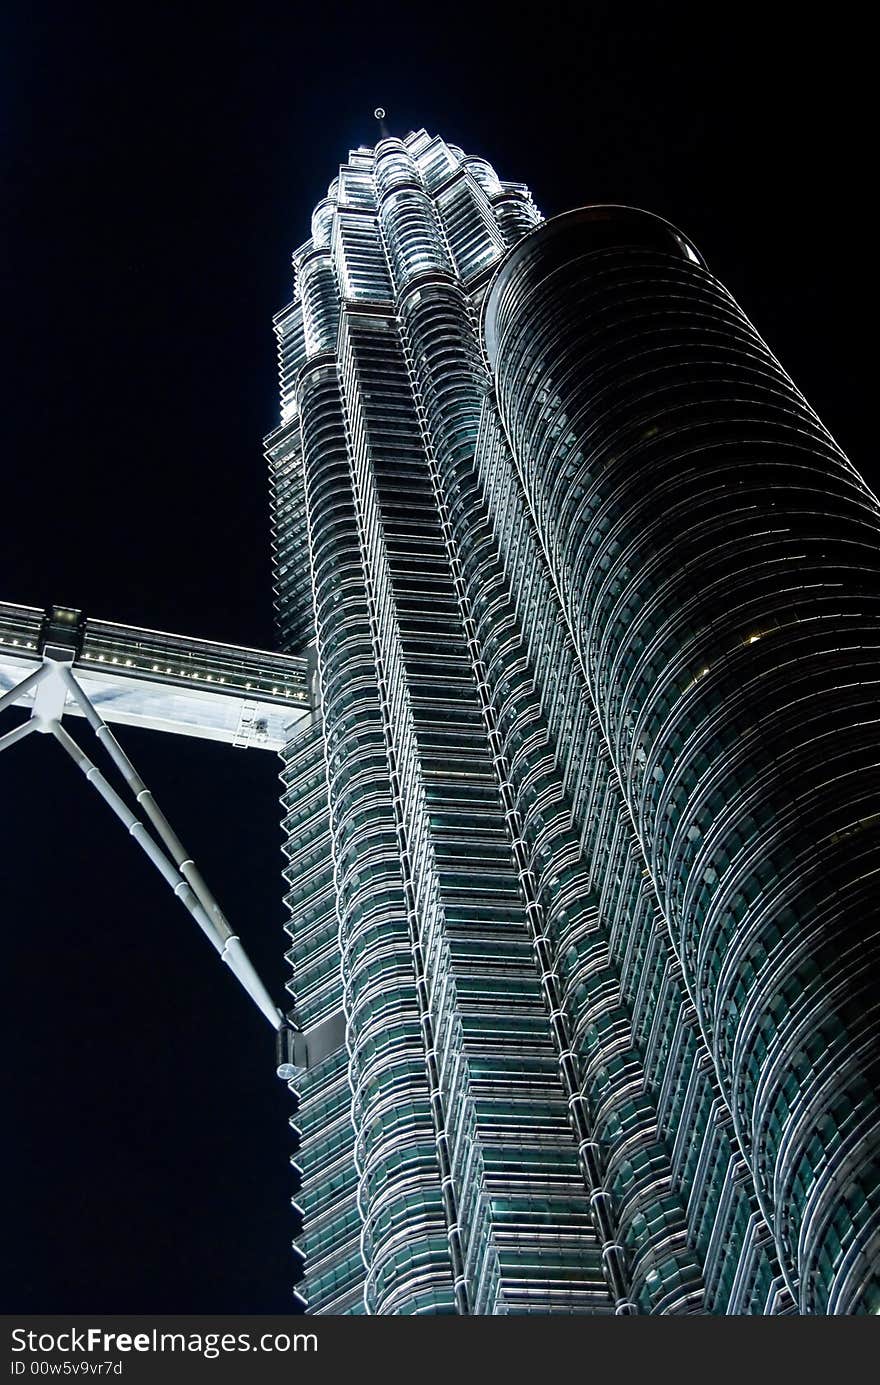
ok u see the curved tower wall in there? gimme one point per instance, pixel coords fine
(717, 564)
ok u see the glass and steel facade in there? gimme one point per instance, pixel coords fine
(580, 846)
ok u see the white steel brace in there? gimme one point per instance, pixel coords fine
(51, 683)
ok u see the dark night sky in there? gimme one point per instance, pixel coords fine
(158, 172)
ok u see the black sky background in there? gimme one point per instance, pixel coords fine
(160, 164)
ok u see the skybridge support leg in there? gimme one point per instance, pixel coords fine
(228, 945)
(177, 851)
(24, 686)
(177, 867)
(17, 734)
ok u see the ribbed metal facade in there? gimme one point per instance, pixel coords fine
(581, 845)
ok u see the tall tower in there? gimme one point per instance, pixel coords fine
(580, 850)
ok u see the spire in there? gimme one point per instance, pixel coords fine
(379, 113)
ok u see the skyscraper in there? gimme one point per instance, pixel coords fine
(582, 848)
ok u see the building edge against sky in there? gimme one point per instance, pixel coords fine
(581, 856)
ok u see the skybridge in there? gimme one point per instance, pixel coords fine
(57, 662)
(247, 698)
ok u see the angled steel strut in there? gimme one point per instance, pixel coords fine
(51, 683)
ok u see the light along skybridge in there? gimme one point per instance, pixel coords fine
(191, 687)
(56, 662)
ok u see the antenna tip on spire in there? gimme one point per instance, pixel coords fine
(379, 112)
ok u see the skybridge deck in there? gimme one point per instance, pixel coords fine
(174, 683)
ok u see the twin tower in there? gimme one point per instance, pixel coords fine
(583, 846)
